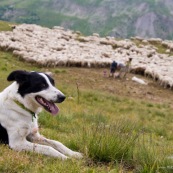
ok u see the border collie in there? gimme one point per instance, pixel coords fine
(20, 104)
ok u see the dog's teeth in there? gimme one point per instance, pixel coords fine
(41, 100)
(44, 102)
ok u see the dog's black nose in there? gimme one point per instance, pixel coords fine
(60, 98)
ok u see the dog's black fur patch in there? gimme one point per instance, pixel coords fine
(3, 135)
(29, 82)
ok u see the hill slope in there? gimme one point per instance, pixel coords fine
(119, 18)
(135, 120)
(58, 47)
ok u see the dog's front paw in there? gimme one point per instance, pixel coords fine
(77, 155)
(64, 157)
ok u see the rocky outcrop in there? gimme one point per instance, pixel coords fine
(118, 18)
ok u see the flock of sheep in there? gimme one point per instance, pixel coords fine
(60, 47)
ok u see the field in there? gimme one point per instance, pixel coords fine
(120, 126)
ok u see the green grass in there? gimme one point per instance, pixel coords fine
(160, 48)
(115, 134)
(109, 130)
(4, 26)
(88, 2)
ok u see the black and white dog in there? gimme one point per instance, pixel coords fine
(20, 104)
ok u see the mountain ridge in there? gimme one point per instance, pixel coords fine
(121, 19)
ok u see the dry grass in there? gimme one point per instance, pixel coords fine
(119, 125)
(95, 120)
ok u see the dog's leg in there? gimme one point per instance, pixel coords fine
(37, 138)
(61, 148)
(42, 149)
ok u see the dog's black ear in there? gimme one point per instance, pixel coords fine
(19, 76)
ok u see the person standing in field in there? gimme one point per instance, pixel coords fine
(113, 68)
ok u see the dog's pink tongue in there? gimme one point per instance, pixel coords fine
(54, 109)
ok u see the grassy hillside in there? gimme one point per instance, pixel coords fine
(5, 26)
(119, 125)
(120, 18)
(113, 130)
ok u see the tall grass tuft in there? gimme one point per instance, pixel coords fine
(151, 157)
(110, 143)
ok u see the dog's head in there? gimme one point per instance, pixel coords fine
(38, 87)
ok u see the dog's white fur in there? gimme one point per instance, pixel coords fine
(22, 128)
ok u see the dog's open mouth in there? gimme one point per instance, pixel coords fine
(47, 105)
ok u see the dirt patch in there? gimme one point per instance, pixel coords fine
(95, 79)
